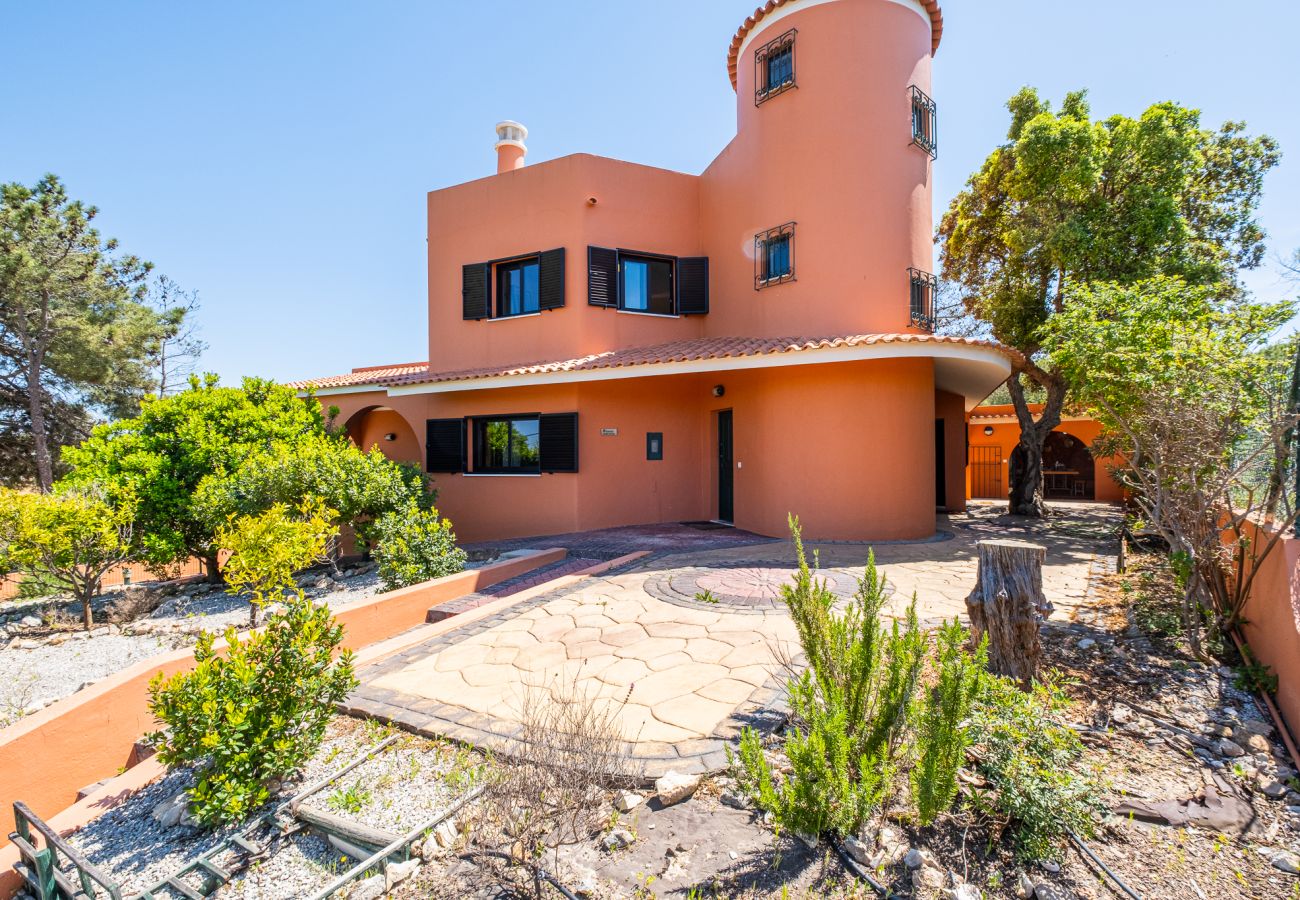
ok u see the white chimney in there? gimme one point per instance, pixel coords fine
(510, 146)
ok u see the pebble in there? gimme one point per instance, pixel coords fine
(859, 851)
(1045, 891)
(1286, 861)
(1086, 644)
(445, 834)
(675, 787)
(396, 873)
(1274, 790)
(1228, 748)
(735, 801)
(626, 801)
(30, 622)
(370, 889)
(617, 839)
(919, 859)
(1024, 886)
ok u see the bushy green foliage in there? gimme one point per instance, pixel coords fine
(941, 732)
(164, 453)
(849, 707)
(415, 545)
(72, 537)
(267, 549)
(1032, 764)
(256, 713)
(359, 486)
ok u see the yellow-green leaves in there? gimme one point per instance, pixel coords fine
(266, 549)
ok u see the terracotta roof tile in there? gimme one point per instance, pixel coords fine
(733, 52)
(657, 354)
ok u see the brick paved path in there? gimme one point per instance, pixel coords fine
(682, 677)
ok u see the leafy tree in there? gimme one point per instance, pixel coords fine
(72, 538)
(267, 549)
(162, 456)
(1069, 201)
(414, 545)
(358, 487)
(73, 333)
(1177, 376)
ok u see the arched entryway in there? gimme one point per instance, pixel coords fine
(1069, 472)
(379, 426)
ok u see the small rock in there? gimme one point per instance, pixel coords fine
(1257, 726)
(626, 801)
(1228, 748)
(1024, 886)
(892, 847)
(1293, 809)
(1051, 865)
(396, 873)
(584, 882)
(370, 889)
(675, 787)
(734, 854)
(171, 811)
(30, 622)
(859, 851)
(1286, 861)
(1086, 644)
(964, 892)
(1121, 714)
(926, 882)
(919, 859)
(1045, 891)
(617, 839)
(1274, 790)
(445, 834)
(27, 644)
(1255, 743)
(734, 800)
(1214, 729)
(809, 840)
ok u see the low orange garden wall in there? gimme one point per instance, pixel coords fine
(1272, 626)
(47, 757)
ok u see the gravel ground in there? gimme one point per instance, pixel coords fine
(31, 679)
(398, 790)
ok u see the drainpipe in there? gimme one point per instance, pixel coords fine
(510, 146)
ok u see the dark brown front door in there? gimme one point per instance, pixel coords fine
(726, 469)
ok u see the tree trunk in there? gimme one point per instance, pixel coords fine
(87, 614)
(1026, 498)
(212, 565)
(1008, 606)
(40, 428)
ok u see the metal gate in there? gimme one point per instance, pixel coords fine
(986, 478)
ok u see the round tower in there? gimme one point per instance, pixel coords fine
(828, 186)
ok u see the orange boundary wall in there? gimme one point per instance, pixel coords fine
(45, 758)
(1272, 627)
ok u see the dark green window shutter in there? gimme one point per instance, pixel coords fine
(602, 276)
(475, 291)
(558, 439)
(692, 285)
(444, 445)
(550, 279)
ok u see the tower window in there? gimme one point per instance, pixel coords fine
(774, 67)
(925, 123)
(518, 290)
(774, 256)
(924, 287)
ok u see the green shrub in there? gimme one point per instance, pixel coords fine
(256, 713)
(941, 732)
(1032, 764)
(267, 549)
(848, 707)
(414, 546)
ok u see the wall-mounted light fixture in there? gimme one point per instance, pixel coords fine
(718, 390)
(988, 430)
(390, 436)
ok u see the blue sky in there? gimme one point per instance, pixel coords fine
(275, 156)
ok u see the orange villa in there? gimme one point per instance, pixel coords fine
(614, 344)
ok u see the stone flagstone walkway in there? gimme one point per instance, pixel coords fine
(681, 676)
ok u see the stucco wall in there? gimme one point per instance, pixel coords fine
(848, 446)
(1006, 435)
(1272, 626)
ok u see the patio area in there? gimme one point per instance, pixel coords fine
(680, 674)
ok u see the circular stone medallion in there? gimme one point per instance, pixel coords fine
(749, 587)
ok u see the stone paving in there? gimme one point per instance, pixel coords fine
(680, 676)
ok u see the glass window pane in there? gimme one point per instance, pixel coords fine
(496, 448)
(636, 284)
(524, 443)
(530, 290)
(661, 287)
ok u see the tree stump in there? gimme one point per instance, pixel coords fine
(1008, 605)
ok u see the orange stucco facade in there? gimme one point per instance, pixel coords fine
(842, 408)
(993, 433)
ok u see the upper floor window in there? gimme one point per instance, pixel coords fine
(515, 286)
(774, 67)
(925, 123)
(924, 287)
(774, 256)
(647, 283)
(518, 287)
